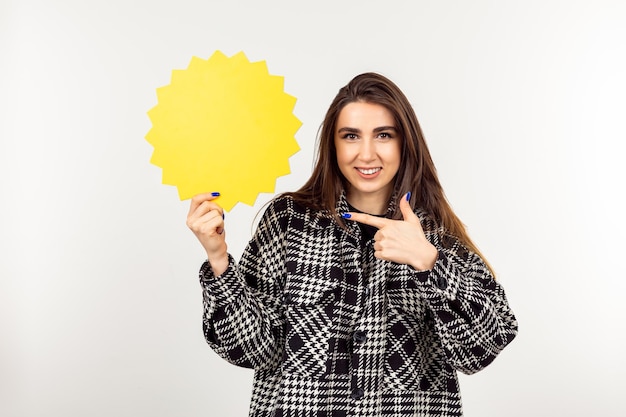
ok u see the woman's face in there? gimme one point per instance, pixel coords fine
(368, 154)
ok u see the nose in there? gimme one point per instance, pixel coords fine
(367, 151)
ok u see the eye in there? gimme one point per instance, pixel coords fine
(384, 136)
(350, 136)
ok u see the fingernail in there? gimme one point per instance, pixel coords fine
(215, 194)
(346, 215)
(408, 196)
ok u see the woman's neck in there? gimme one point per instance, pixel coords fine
(371, 204)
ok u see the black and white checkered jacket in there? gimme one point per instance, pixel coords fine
(332, 331)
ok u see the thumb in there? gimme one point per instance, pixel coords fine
(407, 211)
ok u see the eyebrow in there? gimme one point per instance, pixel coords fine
(376, 130)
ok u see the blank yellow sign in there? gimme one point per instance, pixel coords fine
(223, 124)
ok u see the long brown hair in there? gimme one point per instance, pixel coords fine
(417, 171)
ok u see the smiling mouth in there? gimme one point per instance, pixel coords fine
(369, 171)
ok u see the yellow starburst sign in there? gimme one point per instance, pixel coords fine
(223, 124)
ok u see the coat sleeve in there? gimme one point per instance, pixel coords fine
(243, 307)
(471, 314)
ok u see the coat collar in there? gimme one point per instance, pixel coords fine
(342, 204)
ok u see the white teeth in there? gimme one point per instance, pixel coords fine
(369, 171)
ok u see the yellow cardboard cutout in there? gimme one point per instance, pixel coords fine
(223, 124)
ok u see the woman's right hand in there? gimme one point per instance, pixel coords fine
(206, 221)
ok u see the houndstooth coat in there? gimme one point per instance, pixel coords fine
(331, 331)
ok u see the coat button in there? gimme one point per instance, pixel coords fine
(288, 298)
(441, 283)
(359, 337)
(367, 291)
(357, 393)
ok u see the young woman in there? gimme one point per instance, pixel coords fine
(360, 294)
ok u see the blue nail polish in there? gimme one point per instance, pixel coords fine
(215, 194)
(223, 216)
(408, 196)
(346, 215)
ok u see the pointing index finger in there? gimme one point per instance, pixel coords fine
(375, 221)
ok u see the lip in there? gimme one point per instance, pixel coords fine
(368, 174)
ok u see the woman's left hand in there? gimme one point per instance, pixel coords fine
(401, 241)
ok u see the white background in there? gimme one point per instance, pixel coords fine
(522, 104)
